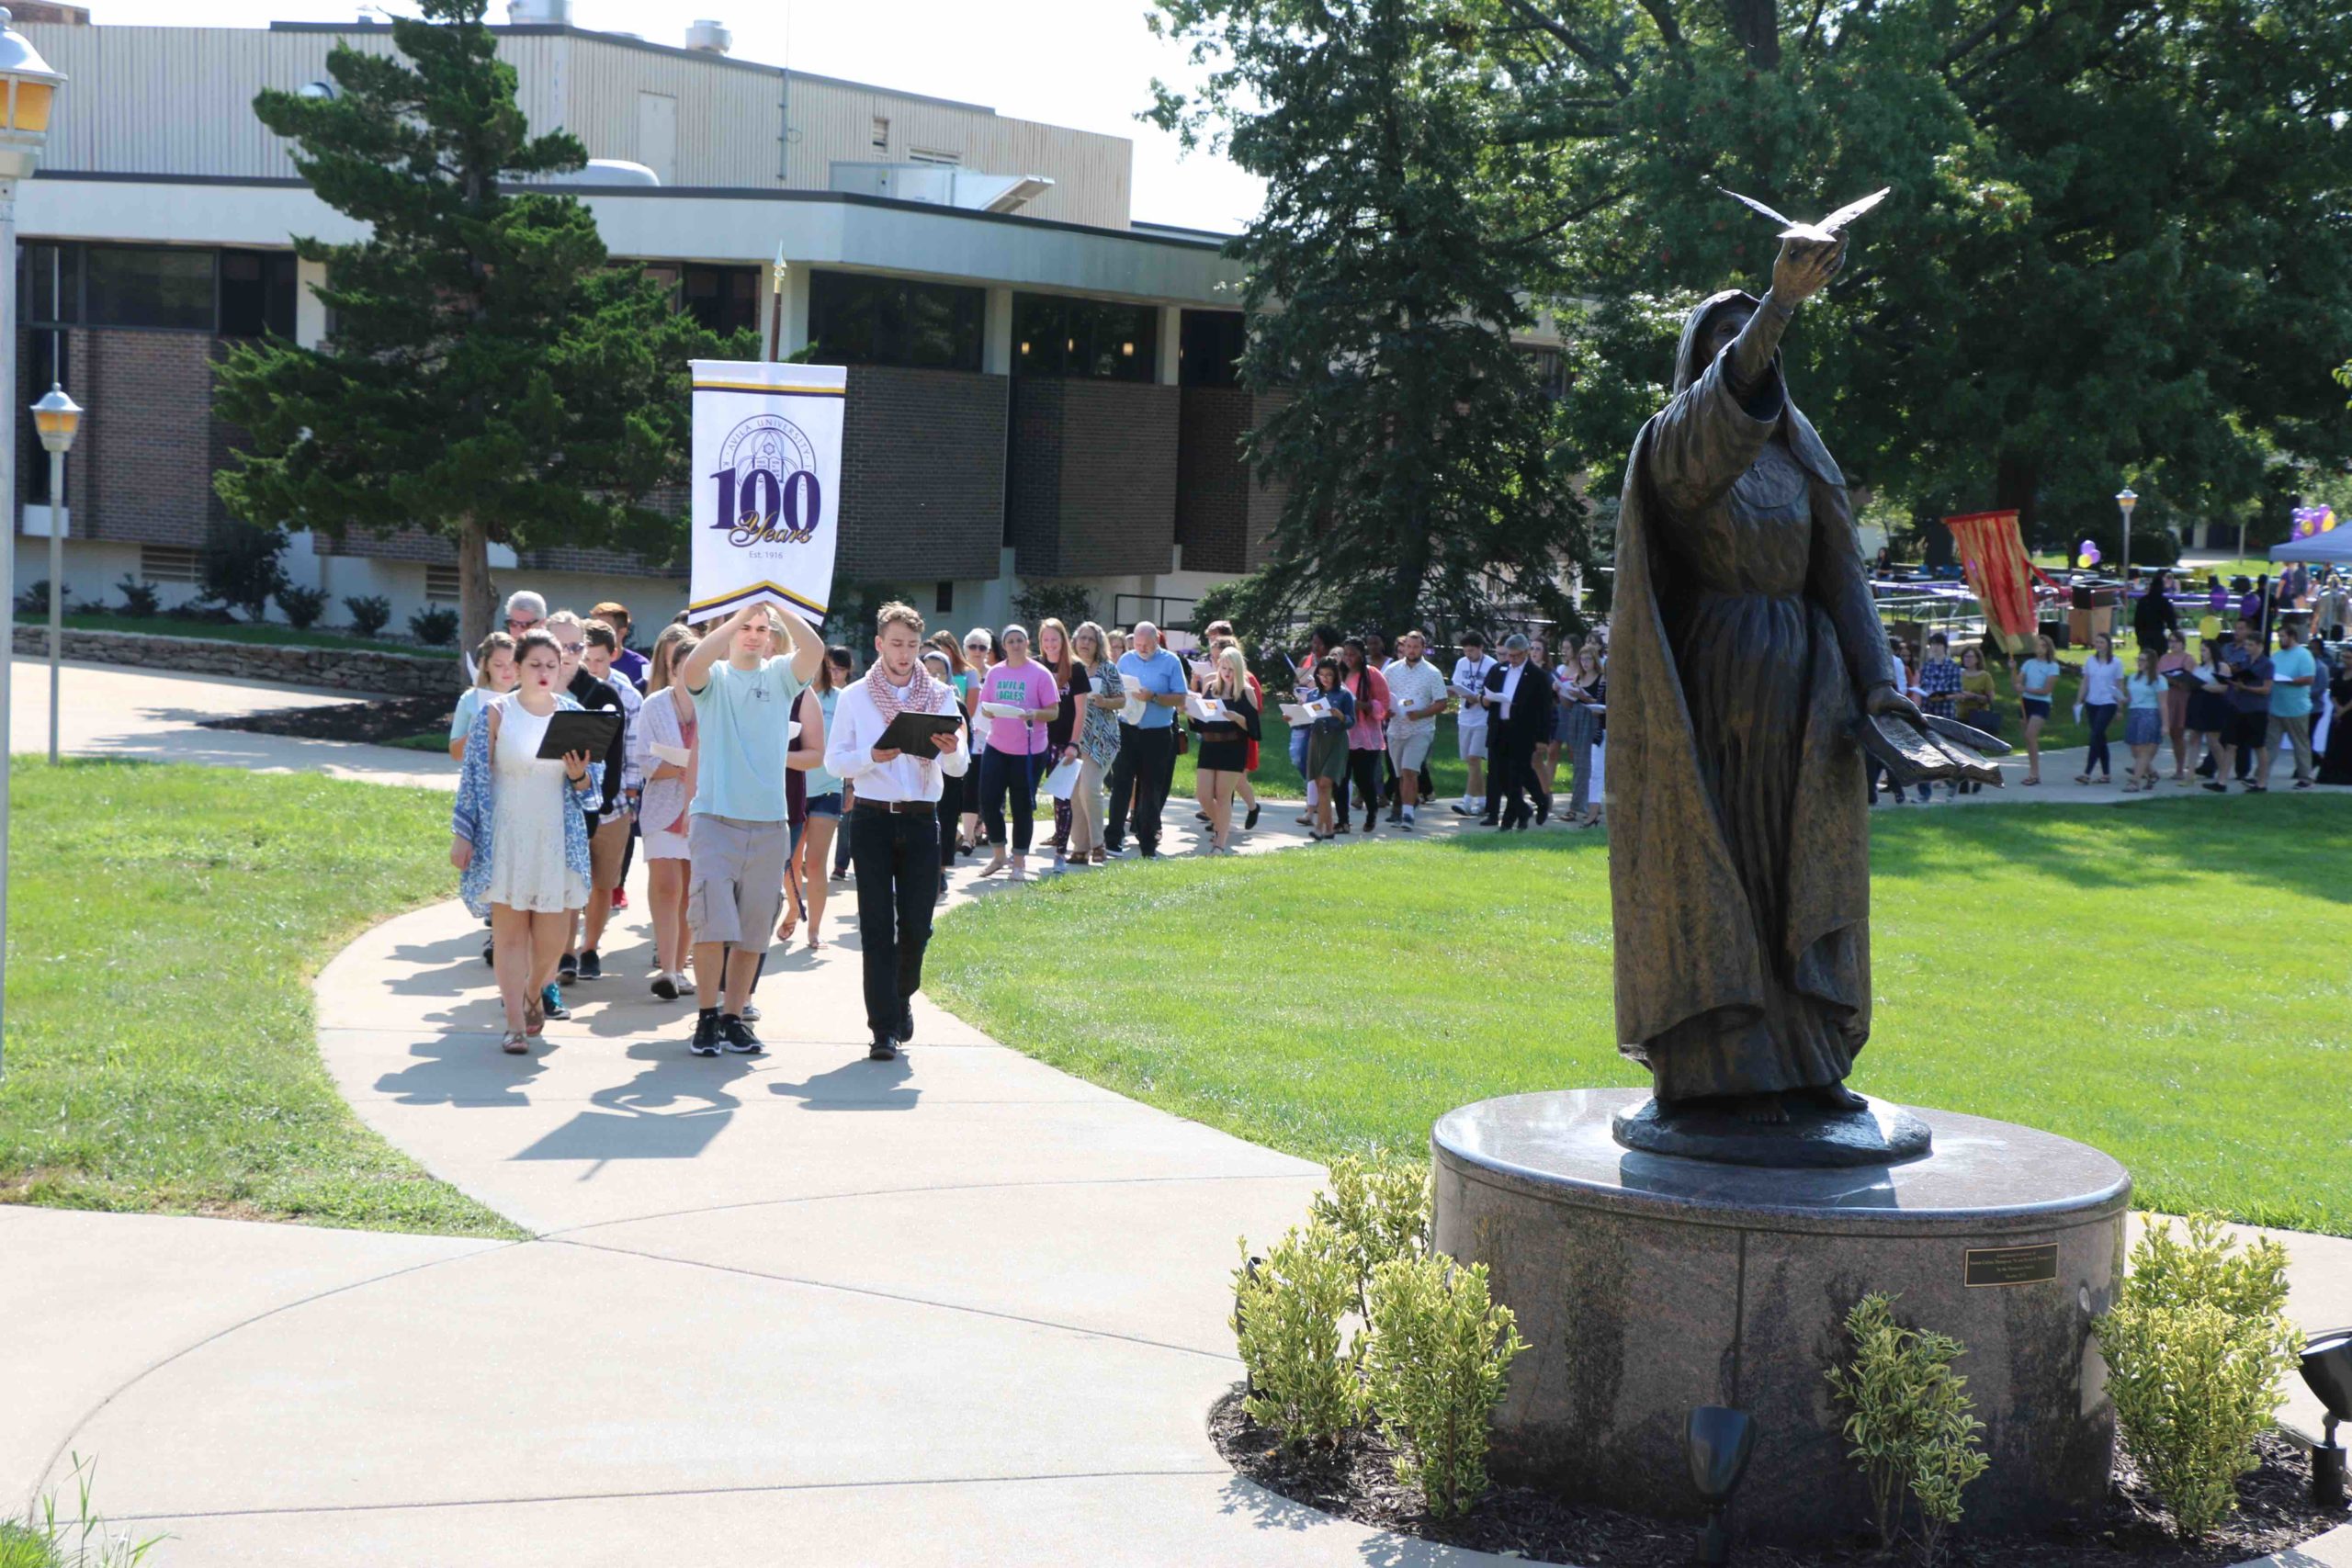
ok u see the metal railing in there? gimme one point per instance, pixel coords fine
(1168, 615)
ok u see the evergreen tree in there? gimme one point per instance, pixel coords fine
(1406, 216)
(492, 375)
(2120, 246)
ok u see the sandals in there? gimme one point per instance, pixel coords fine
(2082, 778)
(516, 1043)
(535, 1014)
(816, 943)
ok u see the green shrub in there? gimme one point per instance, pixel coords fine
(243, 569)
(370, 613)
(139, 599)
(434, 628)
(1381, 1211)
(2196, 1346)
(1907, 1417)
(1286, 1312)
(303, 606)
(32, 599)
(1434, 1359)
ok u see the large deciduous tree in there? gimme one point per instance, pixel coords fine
(492, 374)
(1407, 216)
(2120, 246)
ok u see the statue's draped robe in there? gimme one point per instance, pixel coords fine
(1742, 637)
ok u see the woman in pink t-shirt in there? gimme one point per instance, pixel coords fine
(1368, 737)
(1017, 699)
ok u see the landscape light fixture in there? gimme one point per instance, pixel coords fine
(1717, 1443)
(2125, 500)
(56, 417)
(2327, 1370)
(27, 92)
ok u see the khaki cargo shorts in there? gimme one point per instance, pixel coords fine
(735, 880)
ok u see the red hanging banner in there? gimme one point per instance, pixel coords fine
(1993, 555)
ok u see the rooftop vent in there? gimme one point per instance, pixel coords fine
(709, 38)
(541, 12)
(941, 185)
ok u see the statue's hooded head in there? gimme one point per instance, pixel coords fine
(1710, 327)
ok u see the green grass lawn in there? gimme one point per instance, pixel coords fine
(2166, 982)
(165, 925)
(270, 632)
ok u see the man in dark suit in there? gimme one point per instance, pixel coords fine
(1518, 698)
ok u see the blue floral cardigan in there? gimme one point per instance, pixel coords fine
(471, 818)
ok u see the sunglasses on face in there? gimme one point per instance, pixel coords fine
(571, 646)
(520, 623)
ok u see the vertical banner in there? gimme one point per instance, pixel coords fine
(1993, 557)
(767, 485)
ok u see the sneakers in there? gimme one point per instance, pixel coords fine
(705, 1040)
(1405, 821)
(665, 986)
(568, 967)
(490, 951)
(739, 1037)
(590, 966)
(750, 1013)
(1251, 821)
(1464, 809)
(620, 897)
(551, 1002)
(884, 1049)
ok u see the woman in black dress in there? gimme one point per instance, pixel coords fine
(2209, 715)
(1224, 744)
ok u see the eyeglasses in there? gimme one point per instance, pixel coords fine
(520, 623)
(571, 646)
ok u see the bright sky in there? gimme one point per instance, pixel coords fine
(1084, 63)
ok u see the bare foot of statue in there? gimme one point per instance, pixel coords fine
(1763, 1110)
(1836, 1096)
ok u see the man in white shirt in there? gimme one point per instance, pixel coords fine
(893, 826)
(1417, 695)
(1470, 672)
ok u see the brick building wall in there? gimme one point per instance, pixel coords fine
(1092, 491)
(141, 471)
(1224, 514)
(923, 476)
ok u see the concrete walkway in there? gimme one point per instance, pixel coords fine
(960, 1308)
(113, 710)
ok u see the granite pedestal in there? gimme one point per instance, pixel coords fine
(1646, 1284)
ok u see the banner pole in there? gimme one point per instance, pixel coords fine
(775, 311)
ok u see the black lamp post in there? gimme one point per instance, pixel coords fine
(2327, 1368)
(1717, 1443)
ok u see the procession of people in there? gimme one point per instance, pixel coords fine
(748, 766)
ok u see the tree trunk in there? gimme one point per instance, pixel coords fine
(1756, 25)
(477, 596)
(2015, 481)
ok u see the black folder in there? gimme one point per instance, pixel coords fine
(911, 732)
(590, 732)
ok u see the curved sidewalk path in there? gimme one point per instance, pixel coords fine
(959, 1309)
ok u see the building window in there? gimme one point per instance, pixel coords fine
(932, 155)
(1211, 348)
(1054, 334)
(128, 286)
(859, 320)
(723, 300)
(943, 599)
(170, 563)
(1551, 368)
(441, 584)
(49, 285)
(257, 293)
(881, 134)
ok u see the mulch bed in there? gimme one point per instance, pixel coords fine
(1355, 1481)
(391, 719)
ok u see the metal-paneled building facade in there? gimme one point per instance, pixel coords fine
(1039, 393)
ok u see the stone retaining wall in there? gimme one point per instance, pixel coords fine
(357, 670)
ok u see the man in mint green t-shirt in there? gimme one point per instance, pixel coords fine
(739, 837)
(2292, 671)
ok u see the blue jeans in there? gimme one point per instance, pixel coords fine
(2098, 716)
(1003, 774)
